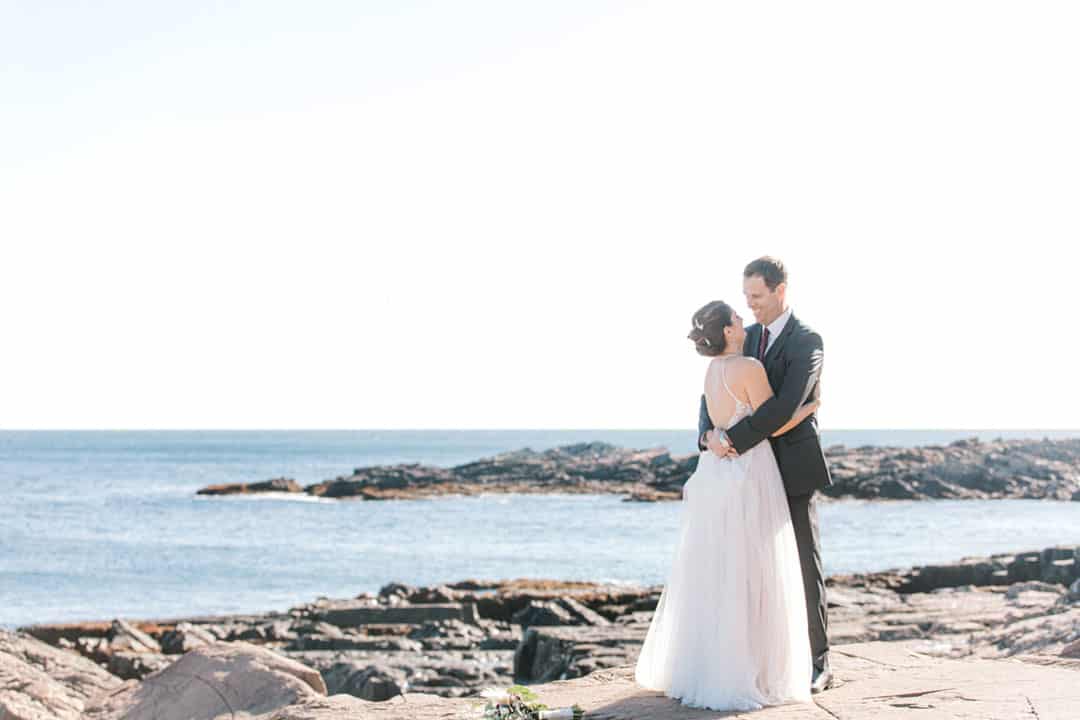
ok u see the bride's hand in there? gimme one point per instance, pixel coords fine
(718, 448)
(801, 414)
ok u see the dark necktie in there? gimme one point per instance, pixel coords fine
(763, 344)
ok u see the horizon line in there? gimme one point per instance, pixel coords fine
(540, 429)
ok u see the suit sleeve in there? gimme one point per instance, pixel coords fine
(704, 422)
(799, 381)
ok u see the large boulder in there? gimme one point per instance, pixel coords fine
(220, 680)
(40, 682)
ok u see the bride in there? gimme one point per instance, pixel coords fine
(730, 629)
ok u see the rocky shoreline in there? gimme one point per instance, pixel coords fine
(965, 469)
(452, 640)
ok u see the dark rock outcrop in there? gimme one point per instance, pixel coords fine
(285, 485)
(1058, 565)
(966, 469)
(1037, 469)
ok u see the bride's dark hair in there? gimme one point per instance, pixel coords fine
(709, 323)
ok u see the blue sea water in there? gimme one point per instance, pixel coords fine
(96, 525)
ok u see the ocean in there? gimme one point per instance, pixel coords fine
(96, 525)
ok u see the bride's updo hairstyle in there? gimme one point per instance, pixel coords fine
(709, 323)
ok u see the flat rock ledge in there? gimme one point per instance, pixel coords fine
(965, 469)
(876, 680)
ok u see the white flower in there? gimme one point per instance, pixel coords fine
(496, 695)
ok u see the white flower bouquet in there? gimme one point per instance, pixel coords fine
(518, 702)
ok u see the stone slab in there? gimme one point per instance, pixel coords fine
(876, 680)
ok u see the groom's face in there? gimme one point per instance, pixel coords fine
(766, 304)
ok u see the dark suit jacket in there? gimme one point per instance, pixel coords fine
(793, 365)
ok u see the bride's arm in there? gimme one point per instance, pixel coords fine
(800, 415)
(759, 390)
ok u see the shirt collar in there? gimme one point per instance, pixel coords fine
(777, 325)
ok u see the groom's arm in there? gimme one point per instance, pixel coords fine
(799, 380)
(704, 423)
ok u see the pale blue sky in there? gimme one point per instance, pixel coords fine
(485, 215)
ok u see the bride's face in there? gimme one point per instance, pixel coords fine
(735, 333)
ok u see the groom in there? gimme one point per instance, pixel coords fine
(792, 354)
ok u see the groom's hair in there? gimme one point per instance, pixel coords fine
(769, 268)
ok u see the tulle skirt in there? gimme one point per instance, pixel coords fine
(730, 628)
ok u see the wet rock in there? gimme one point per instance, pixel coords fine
(276, 485)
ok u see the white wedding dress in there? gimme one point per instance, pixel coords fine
(730, 628)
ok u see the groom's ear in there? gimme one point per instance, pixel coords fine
(781, 292)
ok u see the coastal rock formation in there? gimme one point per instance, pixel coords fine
(875, 679)
(1038, 469)
(581, 468)
(965, 469)
(453, 639)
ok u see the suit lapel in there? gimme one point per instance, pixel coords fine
(753, 337)
(779, 342)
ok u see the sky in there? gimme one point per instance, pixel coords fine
(503, 215)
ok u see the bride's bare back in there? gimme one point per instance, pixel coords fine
(736, 385)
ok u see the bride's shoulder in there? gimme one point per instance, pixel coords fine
(747, 362)
(746, 366)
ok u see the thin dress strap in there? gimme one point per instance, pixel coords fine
(723, 380)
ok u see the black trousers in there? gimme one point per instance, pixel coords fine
(804, 518)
